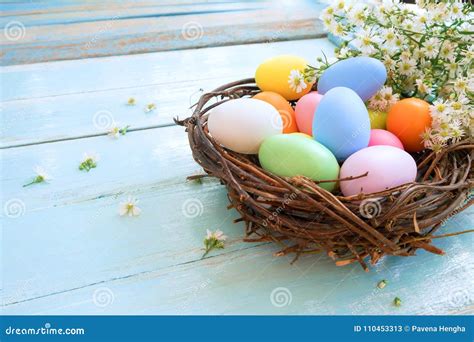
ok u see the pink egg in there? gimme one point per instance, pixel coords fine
(383, 137)
(304, 111)
(387, 167)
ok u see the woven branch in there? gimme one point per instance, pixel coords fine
(306, 218)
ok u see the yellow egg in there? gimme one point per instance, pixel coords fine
(274, 73)
(377, 119)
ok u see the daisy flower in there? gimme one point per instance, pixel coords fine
(461, 85)
(407, 67)
(431, 47)
(456, 10)
(150, 107)
(129, 207)
(447, 51)
(114, 132)
(389, 35)
(296, 81)
(364, 42)
(89, 161)
(422, 87)
(439, 108)
(41, 176)
(357, 15)
(213, 240)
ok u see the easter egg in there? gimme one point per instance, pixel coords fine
(383, 137)
(407, 119)
(283, 107)
(364, 75)
(242, 124)
(289, 155)
(341, 122)
(377, 119)
(387, 167)
(274, 75)
(304, 111)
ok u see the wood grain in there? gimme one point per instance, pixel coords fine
(40, 104)
(123, 30)
(70, 243)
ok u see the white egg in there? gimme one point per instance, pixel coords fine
(242, 124)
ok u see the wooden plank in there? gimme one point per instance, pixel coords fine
(75, 216)
(51, 106)
(251, 281)
(150, 158)
(16, 8)
(68, 243)
(124, 11)
(35, 44)
(88, 75)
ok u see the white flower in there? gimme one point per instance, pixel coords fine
(456, 10)
(447, 51)
(357, 15)
(296, 81)
(462, 84)
(453, 69)
(343, 52)
(440, 108)
(336, 29)
(389, 35)
(389, 62)
(469, 53)
(94, 157)
(405, 55)
(213, 240)
(388, 96)
(422, 87)
(40, 172)
(114, 132)
(339, 5)
(407, 67)
(459, 104)
(364, 42)
(149, 107)
(89, 161)
(217, 235)
(418, 54)
(41, 176)
(129, 207)
(431, 48)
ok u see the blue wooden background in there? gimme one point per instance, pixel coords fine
(65, 249)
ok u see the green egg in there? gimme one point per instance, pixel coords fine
(377, 119)
(289, 155)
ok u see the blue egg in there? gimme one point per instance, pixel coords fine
(364, 75)
(341, 122)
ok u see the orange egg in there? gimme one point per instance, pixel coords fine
(408, 119)
(284, 108)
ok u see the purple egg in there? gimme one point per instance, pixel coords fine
(387, 167)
